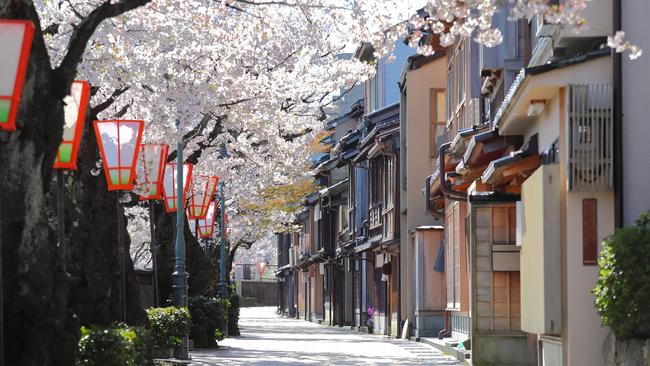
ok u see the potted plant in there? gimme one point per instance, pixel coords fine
(370, 312)
(168, 327)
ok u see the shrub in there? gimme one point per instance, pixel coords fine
(168, 326)
(233, 315)
(623, 289)
(118, 345)
(209, 316)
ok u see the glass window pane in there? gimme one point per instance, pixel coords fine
(71, 110)
(108, 136)
(440, 107)
(11, 40)
(128, 138)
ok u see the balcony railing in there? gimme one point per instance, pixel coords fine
(591, 121)
(375, 216)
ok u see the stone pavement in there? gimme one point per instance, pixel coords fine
(268, 339)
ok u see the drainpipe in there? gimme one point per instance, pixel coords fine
(617, 75)
(449, 193)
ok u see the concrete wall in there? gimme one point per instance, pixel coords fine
(636, 109)
(419, 164)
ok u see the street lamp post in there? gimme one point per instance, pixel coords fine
(222, 228)
(119, 143)
(180, 275)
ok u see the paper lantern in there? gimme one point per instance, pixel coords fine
(169, 184)
(119, 143)
(74, 110)
(16, 43)
(149, 171)
(206, 225)
(202, 191)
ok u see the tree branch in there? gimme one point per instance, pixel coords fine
(84, 30)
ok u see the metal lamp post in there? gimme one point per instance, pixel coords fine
(149, 176)
(119, 143)
(223, 289)
(175, 185)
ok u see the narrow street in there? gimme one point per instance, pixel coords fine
(268, 339)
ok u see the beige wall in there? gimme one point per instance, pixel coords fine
(583, 330)
(541, 282)
(429, 283)
(419, 164)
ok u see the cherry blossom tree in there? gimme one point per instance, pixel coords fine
(246, 84)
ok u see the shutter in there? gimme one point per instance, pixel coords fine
(589, 231)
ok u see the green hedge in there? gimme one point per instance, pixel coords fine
(623, 289)
(209, 320)
(168, 326)
(118, 345)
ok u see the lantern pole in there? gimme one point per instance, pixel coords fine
(154, 251)
(122, 257)
(180, 275)
(222, 226)
(2, 321)
(60, 206)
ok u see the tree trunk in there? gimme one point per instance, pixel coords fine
(94, 257)
(38, 327)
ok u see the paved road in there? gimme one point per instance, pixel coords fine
(268, 339)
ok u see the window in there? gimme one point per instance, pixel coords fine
(389, 183)
(452, 255)
(389, 196)
(438, 119)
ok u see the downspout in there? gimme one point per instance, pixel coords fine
(449, 193)
(617, 75)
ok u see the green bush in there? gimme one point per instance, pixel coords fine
(209, 316)
(118, 345)
(233, 315)
(168, 326)
(623, 289)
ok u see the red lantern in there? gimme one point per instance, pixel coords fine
(169, 184)
(119, 142)
(15, 45)
(261, 268)
(206, 225)
(75, 108)
(149, 171)
(202, 192)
